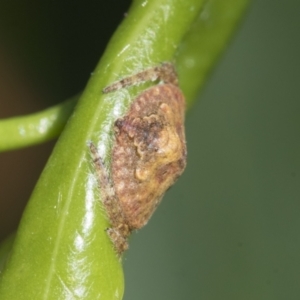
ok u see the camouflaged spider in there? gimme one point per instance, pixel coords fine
(148, 155)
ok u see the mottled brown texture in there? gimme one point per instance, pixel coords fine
(148, 155)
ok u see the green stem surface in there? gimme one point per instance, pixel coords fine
(196, 55)
(61, 250)
(19, 132)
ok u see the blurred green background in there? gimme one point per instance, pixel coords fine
(230, 228)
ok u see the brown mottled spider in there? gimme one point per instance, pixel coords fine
(148, 155)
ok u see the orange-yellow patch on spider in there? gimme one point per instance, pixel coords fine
(148, 155)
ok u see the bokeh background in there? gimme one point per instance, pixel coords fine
(230, 228)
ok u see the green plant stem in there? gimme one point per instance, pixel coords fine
(5, 248)
(196, 56)
(19, 132)
(205, 42)
(61, 248)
